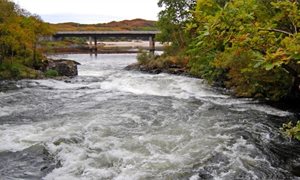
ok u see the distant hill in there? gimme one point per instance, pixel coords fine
(126, 25)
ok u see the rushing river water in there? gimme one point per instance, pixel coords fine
(109, 123)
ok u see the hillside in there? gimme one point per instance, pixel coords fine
(126, 25)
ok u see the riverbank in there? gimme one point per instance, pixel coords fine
(47, 68)
(176, 66)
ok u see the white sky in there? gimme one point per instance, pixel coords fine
(91, 11)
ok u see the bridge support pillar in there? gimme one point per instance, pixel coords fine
(90, 44)
(151, 44)
(95, 45)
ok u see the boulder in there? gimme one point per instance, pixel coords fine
(133, 67)
(64, 67)
(171, 69)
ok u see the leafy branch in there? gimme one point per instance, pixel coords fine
(292, 131)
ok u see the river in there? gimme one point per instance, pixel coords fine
(109, 123)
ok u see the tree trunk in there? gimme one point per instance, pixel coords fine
(34, 54)
(1, 55)
(12, 56)
(1, 58)
(295, 90)
(294, 94)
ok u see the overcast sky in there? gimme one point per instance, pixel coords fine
(91, 11)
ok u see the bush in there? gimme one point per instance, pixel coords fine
(51, 73)
(15, 72)
(292, 131)
(144, 57)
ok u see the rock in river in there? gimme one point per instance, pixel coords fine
(64, 67)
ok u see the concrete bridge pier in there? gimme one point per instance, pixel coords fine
(93, 44)
(90, 44)
(151, 44)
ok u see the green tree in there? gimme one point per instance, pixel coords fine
(173, 20)
(19, 32)
(250, 45)
(284, 53)
(35, 29)
(8, 17)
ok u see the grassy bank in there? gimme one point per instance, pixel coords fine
(150, 63)
(17, 69)
(181, 65)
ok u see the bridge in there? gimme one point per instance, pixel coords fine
(95, 35)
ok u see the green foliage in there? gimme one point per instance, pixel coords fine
(172, 22)
(15, 72)
(251, 45)
(51, 73)
(143, 57)
(19, 35)
(153, 63)
(292, 131)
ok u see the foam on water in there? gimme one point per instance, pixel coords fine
(55, 84)
(114, 124)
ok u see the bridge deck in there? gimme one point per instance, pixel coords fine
(95, 35)
(106, 33)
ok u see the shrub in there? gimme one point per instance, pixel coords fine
(292, 131)
(51, 73)
(144, 57)
(15, 72)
